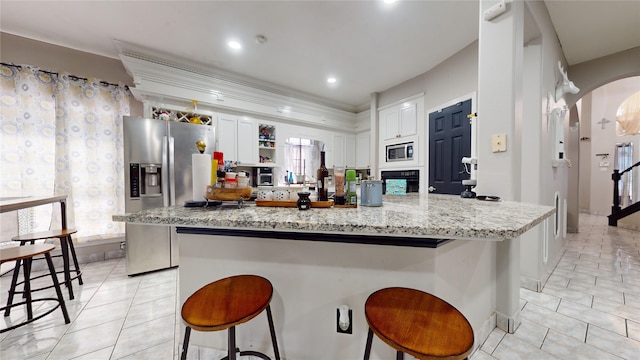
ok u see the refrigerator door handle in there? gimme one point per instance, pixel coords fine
(172, 169)
(165, 172)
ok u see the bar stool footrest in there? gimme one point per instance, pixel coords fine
(28, 321)
(249, 353)
(46, 287)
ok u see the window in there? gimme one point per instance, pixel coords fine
(302, 157)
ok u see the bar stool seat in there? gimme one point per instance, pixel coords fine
(66, 247)
(228, 302)
(417, 323)
(25, 254)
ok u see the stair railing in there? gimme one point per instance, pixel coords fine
(616, 176)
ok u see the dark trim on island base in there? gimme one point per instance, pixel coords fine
(328, 237)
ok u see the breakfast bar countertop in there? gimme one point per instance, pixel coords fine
(412, 215)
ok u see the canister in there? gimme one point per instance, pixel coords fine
(371, 193)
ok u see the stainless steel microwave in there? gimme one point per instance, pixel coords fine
(400, 152)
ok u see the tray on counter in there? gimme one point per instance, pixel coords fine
(292, 203)
(216, 193)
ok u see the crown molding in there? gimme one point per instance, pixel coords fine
(156, 78)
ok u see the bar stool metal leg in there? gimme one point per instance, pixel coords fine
(367, 348)
(56, 285)
(64, 246)
(273, 333)
(231, 352)
(72, 248)
(12, 289)
(26, 266)
(185, 343)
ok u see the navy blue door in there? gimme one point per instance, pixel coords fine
(449, 141)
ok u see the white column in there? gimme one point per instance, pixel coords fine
(374, 138)
(500, 66)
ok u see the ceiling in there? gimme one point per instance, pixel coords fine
(368, 46)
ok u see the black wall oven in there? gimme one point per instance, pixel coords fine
(412, 177)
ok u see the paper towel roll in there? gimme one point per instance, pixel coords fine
(201, 175)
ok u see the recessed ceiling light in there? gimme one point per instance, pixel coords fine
(234, 45)
(332, 80)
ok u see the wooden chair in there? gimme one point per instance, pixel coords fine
(225, 303)
(25, 254)
(66, 247)
(417, 323)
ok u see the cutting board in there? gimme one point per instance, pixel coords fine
(291, 203)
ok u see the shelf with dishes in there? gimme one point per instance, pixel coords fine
(266, 143)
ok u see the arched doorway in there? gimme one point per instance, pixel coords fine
(596, 144)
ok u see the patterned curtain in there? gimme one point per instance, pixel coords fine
(83, 151)
(27, 134)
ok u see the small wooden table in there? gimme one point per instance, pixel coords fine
(64, 234)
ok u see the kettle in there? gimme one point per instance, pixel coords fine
(371, 193)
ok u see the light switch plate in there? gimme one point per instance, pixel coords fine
(499, 143)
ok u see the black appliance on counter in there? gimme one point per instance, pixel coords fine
(412, 177)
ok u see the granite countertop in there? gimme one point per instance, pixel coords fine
(413, 215)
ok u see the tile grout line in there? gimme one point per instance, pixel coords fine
(66, 331)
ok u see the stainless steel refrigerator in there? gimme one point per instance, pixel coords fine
(157, 160)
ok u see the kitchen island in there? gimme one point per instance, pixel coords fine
(465, 251)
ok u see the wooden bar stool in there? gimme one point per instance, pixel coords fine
(26, 254)
(66, 247)
(225, 303)
(417, 323)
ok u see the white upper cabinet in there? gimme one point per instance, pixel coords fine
(227, 133)
(238, 139)
(362, 150)
(247, 142)
(343, 153)
(399, 121)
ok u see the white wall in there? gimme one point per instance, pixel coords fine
(458, 76)
(20, 50)
(455, 77)
(550, 179)
(603, 102)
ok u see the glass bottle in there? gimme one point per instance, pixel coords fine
(352, 196)
(322, 175)
(338, 175)
(195, 119)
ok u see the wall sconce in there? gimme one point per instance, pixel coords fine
(566, 86)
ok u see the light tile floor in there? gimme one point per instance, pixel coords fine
(590, 306)
(589, 309)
